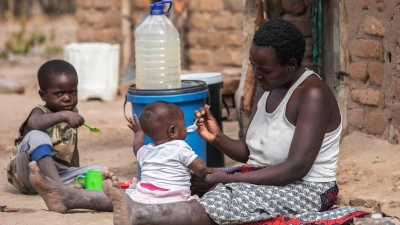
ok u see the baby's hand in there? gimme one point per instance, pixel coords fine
(134, 124)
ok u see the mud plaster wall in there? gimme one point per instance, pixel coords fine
(373, 35)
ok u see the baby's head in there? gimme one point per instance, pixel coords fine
(58, 82)
(163, 122)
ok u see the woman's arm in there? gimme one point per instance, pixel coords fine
(310, 112)
(209, 130)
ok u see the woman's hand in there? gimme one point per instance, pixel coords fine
(214, 176)
(208, 127)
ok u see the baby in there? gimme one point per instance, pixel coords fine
(167, 164)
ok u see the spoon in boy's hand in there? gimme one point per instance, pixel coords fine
(193, 127)
(92, 129)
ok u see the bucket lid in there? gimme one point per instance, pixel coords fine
(209, 78)
(187, 86)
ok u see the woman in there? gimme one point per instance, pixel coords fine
(292, 145)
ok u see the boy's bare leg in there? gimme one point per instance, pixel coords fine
(127, 211)
(47, 167)
(60, 198)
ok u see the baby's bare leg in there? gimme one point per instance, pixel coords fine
(127, 211)
(60, 198)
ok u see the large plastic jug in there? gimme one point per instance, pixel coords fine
(157, 50)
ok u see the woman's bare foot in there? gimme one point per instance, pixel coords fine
(122, 203)
(50, 191)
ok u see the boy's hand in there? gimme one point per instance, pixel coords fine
(73, 119)
(134, 124)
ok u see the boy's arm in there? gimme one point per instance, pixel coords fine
(40, 121)
(199, 167)
(75, 156)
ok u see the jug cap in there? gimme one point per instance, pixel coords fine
(158, 7)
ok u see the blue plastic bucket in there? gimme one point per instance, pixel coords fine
(191, 96)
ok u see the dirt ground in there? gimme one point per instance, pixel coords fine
(368, 169)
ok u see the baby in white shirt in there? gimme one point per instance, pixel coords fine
(166, 165)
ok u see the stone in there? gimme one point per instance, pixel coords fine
(375, 72)
(376, 123)
(374, 26)
(107, 35)
(380, 6)
(141, 4)
(356, 117)
(200, 56)
(209, 5)
(113, 18)
(80, 15)
(398, 88)
(365, 4)
(96, 19)
(210, 39)
(304, 25)
(366, 96)
(294, 7)
(84, 34)
(235, 39)
(199, 21)
(192, 38)
(237, 21)
(398, 62)
(222, 22)
(233, 5)
(102, 4)
(366, 48)
(228, 57)
(358, 71)
(83, 4)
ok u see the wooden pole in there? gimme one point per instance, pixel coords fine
(244, 96)
(126, 29)
(344, 87)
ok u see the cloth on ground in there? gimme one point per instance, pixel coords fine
(301, 202)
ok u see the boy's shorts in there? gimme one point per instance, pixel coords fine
(18, 170)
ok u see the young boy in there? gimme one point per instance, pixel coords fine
(166, 164)
(49, 134)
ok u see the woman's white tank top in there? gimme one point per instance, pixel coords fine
(270, 135)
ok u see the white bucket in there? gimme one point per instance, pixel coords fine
(97, 65)
(209, 78)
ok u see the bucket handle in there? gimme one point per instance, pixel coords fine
(126, 99)
(227, 110)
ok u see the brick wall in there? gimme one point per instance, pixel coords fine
(98, 21)
(374, 70)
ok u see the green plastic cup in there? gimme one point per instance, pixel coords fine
(92, 180)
